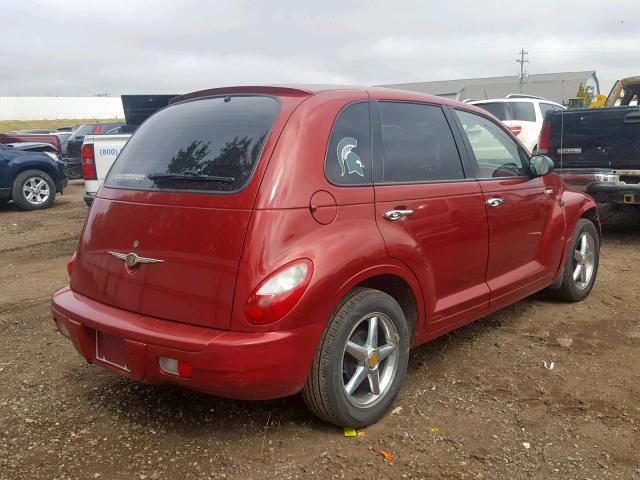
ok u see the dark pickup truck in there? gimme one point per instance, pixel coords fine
(598, 150)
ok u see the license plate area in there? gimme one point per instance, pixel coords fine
(111, 350)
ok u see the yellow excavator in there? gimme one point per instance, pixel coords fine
(624, 92)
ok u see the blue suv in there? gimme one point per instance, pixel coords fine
(30, 179)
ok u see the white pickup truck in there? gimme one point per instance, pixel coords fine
(98, 154)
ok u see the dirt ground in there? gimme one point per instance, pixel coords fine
(477, 403)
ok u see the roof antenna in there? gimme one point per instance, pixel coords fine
(485, 94)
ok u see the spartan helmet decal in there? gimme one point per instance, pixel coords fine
(349, 159)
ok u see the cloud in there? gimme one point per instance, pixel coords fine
(81, 47)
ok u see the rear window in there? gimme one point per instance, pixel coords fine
(209, 145)
(505, 111)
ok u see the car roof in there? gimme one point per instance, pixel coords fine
(304, 90)
(511, 100)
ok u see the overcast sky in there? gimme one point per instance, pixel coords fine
(85, 47)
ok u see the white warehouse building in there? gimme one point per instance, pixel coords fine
(54, 108)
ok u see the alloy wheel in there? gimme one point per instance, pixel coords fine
(370, 360)
(584, 260)
(36, 190)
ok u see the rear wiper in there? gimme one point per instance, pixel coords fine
(189, 176)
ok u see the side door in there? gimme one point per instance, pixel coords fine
(526, 221)
(430, 214)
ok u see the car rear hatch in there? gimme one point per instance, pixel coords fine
(164, 236)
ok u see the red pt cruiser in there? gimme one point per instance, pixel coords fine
(255, 242)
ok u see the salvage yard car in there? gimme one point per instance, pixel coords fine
(522, 114)
(74, 143)
(255, 242)
(29, 178)
(598, 150)
(98, 154)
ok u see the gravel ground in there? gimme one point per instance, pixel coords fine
(477, 403)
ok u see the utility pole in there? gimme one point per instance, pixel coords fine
(523, 75)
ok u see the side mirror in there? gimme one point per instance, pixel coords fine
(540, 165)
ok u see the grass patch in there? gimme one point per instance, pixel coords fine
(11, 125)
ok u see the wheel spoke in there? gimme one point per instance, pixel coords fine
(356, 351)
(39, 183)
(577, 256)
(385, 350)
(355, 380)
(583, 275)
(577, 272)
(583, 244)
(374, 381)
(372, 336)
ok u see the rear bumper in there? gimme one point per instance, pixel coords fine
(242, 365)
(615, 193)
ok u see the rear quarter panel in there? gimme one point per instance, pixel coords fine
(344, 252)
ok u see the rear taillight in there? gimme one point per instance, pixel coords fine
(515, 129)
(71, 264)
(88, 163)
(544, 139)
(278, 293)
(97, 130)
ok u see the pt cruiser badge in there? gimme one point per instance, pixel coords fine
(133, 260)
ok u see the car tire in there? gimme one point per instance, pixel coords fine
(581, 267)
(341, 387)
(33, 190)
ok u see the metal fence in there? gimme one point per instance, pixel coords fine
(53, 108)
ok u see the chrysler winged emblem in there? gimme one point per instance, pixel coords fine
(133, 260)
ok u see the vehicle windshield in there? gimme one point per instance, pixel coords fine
(505, 111)
(210, 145)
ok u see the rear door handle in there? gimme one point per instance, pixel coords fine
(632, 118)
(495, 202)
(393, 215)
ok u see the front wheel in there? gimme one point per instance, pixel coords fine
(360, 362)
(33, 190)
(581, 267)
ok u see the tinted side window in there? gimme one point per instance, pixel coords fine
(495, 152)
(417, 143)
(546, 107)
(523, 111)
(498, 110)
(348, 157)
